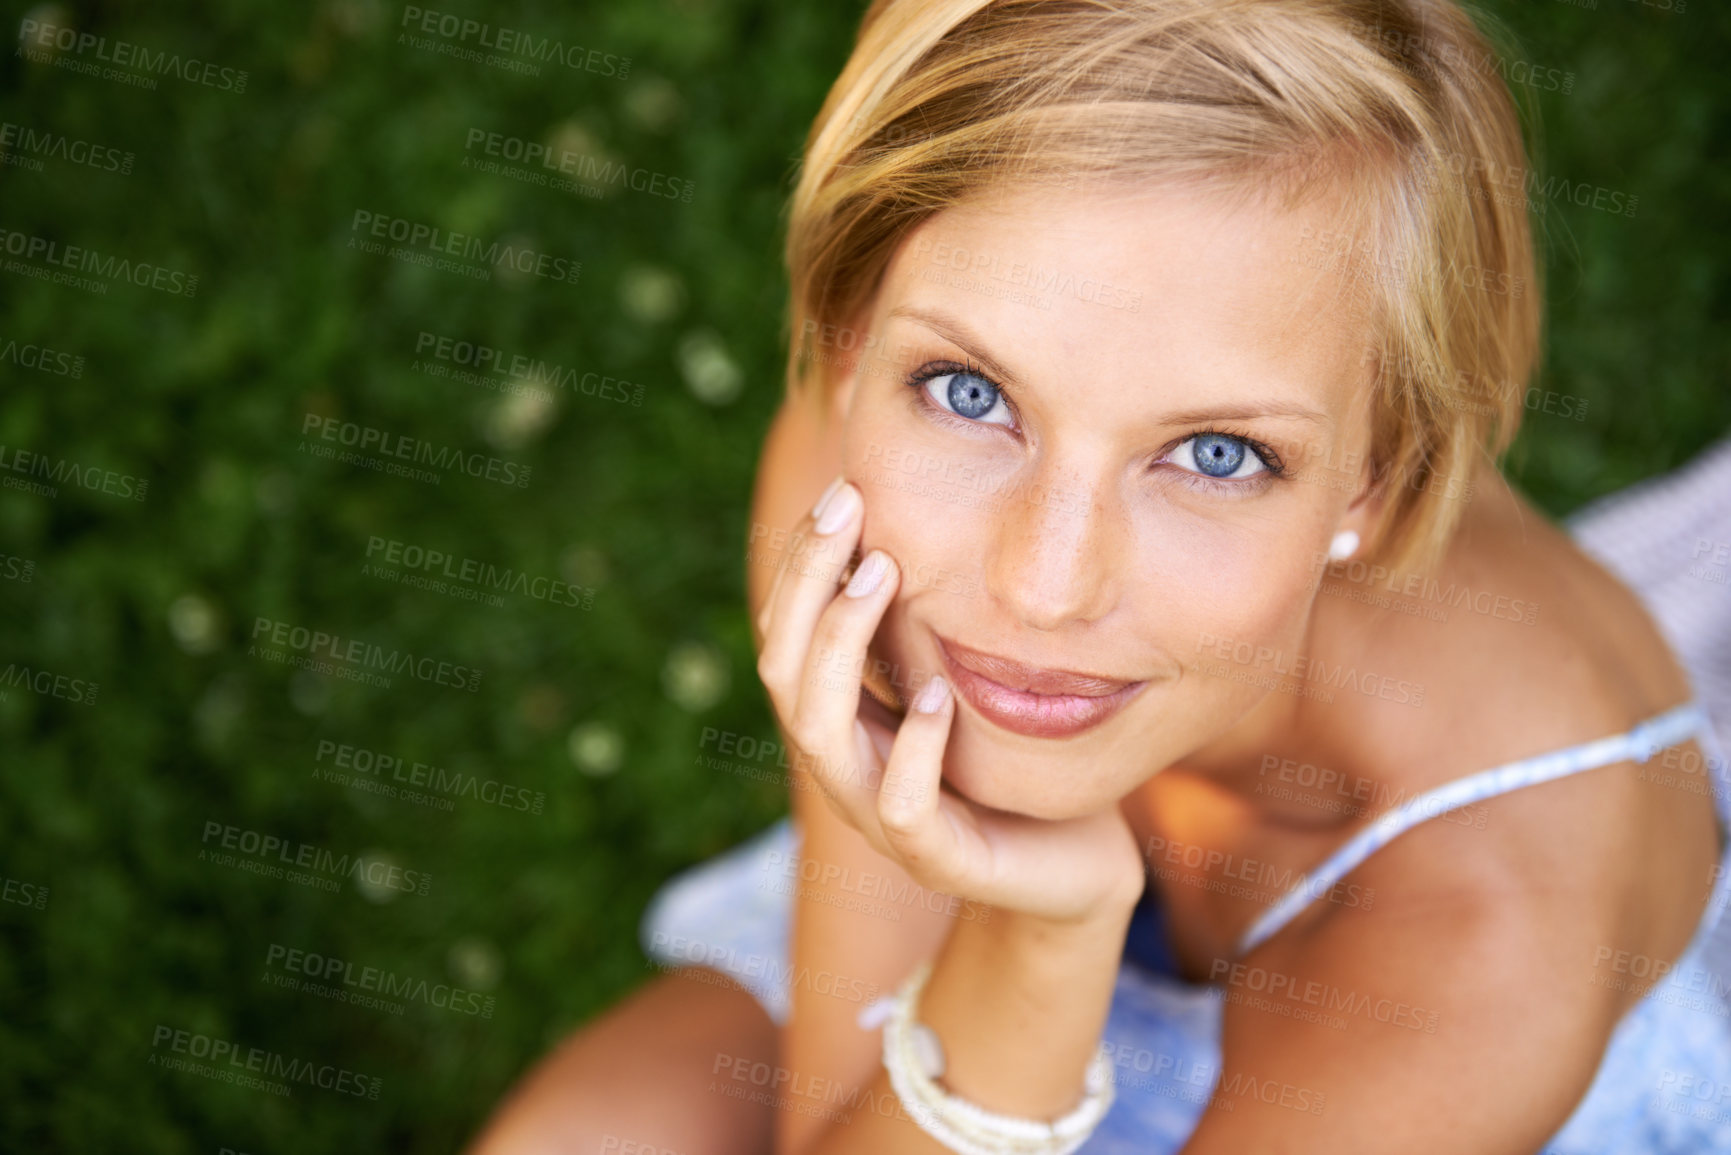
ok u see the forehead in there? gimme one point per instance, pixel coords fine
(1142, 282)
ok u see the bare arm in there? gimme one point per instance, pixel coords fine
(1019, 1005)
(1018, 998)
(838, 932)
(1456, 1016)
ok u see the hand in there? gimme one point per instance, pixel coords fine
(886, 780)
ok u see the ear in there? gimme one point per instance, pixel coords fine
(1364, 514)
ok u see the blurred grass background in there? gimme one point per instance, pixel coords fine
(600, 710)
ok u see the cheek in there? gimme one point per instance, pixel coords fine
(935, 531)
(1266, 614)
(1241, 584)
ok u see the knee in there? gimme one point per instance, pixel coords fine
(638, 1081)
(573, 1103)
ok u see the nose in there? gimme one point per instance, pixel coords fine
(1051, 561)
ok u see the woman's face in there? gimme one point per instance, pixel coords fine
(1104, 433)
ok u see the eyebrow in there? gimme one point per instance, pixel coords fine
(953, 330)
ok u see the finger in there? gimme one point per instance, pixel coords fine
(812, 770)
(829, 687)
(826, 717)
(910, 797)
(836, 777)
(800, 529)
(874, 737)
(811, 555)
(806, 585)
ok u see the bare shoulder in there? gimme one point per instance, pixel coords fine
(1493, 963)
(1492, 967)
(1520, 641)
(1471, 989)
(1538, 648)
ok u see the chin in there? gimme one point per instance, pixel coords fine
(1002, 772)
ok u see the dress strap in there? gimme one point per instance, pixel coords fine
(1718, 773)
(1638, 745)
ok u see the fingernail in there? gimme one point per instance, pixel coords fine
(869, 575)
(838, 510)
(817, 510)
(932, 694)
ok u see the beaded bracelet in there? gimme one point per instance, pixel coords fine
(914, 1059)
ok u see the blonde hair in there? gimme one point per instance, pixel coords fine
(1398, 102)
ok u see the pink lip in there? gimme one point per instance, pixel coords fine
(1030, 700)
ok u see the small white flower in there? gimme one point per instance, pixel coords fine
(475, 963)
(652, 103)
(519, 418)
(584, 565)
(695, 676)
(710, 374)
(596, 748)
(195, 624)
(43, 17)
(649, 294)
(377, 889)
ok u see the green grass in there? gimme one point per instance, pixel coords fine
(156, 601)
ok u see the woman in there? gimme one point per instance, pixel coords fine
(1241, 764)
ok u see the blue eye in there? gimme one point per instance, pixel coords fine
(1219, 456)
(968, 395)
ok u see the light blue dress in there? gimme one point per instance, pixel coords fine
(1664, 1084)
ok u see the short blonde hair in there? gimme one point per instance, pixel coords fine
(1398, 102)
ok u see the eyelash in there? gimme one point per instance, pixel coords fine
(1264, 453)
(1275, 467)
(917, 382)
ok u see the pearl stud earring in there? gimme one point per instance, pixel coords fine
(1344, 545)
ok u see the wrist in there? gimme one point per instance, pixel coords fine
(914, 1062)
(1101, 928)
(1019, 1001)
